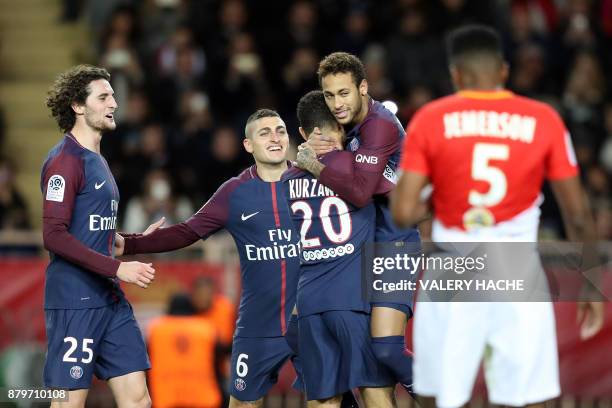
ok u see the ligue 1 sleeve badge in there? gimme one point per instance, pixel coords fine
(55, 188)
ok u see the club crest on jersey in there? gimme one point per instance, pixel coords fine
(76, 372)
(55, 188)
(240, 384)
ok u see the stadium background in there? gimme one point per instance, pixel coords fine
(188, 73)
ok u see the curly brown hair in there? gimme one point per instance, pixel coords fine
(71, 87)
(341, 63)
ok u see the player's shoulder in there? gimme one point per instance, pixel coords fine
(539, 108)
(66, 152)
(240, 180)
(292, 172)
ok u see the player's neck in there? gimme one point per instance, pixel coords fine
(365, 108)
(271, 172)
(483, 86)
(87, 137)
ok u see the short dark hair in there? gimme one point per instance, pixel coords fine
(71, 87)
(473, 40)
(341, 63)
(312, 111)
(258, 114)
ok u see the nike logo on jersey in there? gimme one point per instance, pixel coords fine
(246, 217)
(98, 186)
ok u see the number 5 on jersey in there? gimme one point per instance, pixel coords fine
(482, 170)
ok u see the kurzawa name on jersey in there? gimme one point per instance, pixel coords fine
(307, 188)
(502, 125)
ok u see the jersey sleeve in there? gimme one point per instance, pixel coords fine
(214, 214)
(356, 181)
(208, 220)
(61, 181)
(561, 160)
(414, 153)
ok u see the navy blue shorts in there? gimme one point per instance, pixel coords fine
(337, 354)
(402, 307)
(256, 362)
(105, 341)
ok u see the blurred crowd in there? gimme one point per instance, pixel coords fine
(187, 73)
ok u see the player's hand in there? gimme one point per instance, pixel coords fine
(153, 227)
(305, 156)
(138, 273)
(322, 144)
(119, 244)
(590, 317)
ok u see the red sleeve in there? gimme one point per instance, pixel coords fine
(414, 153)
(561, 159)
(61, 181)
(358, 181)
(208, 220)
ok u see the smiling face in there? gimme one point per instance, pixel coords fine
(99, 108)
(346, 100)
(267, 140)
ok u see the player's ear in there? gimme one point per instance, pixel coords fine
(246, 142)
(363, 87)
(303, 133)
(505, 72)
(455, 75)
(78, 109)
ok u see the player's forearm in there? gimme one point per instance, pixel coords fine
(59, 241)
(355, 187)
(162, 240)
(314, 167)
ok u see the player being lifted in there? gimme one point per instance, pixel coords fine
(252, 208)
(374, 138)
(486, 152)
(333, 334)
(90, 325)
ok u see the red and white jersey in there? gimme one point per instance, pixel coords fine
(487, 155)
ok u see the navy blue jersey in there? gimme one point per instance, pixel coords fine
(381, 127)
(332, 233)
(255, 214)
(79, 192)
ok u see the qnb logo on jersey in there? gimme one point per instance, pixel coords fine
(328, 253)
(362, 158)
(281, 247)
(99, 223)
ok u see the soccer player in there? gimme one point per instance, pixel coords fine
(486, 153)
(90, 325)
(374, 139)
(252, 208)
(333, 320)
